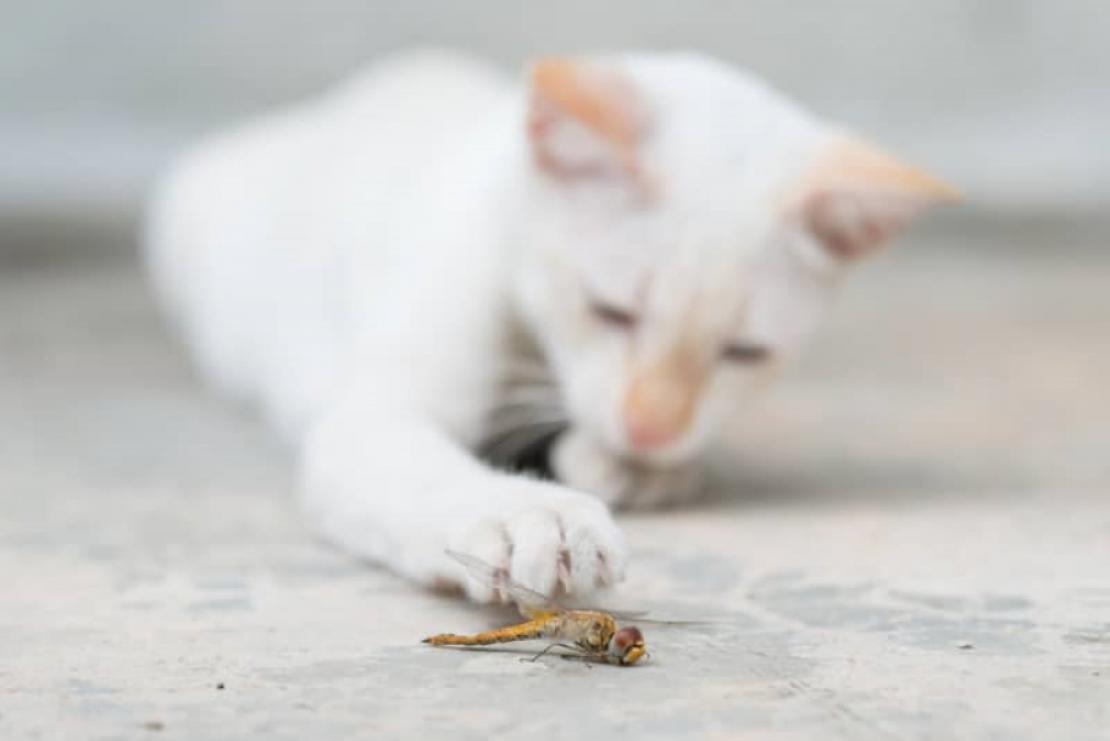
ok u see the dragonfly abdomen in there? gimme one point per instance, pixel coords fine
(522, 632)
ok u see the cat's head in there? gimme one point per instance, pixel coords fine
(683, 228)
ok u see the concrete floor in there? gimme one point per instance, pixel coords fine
(916, 543)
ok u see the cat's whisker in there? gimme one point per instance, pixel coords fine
(535, 399)
(525, 411)
(524, 405)
(523, 429)
(536, 372)
(547, 391)
(507, 421)
(507, 428)
(531, 386)
(546, 404)
(508, 448)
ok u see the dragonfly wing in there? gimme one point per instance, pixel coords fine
(531, 603)
(654, 621)
(642, 616)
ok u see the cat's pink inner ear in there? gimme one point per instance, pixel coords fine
(585, 119)
(858, 198)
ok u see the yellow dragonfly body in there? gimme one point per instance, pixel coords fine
(591, 633)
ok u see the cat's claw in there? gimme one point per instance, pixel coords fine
(564, 544)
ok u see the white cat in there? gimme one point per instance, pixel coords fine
(430, 259)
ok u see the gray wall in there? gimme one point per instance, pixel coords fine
(1008, 98)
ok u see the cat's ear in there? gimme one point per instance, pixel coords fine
(585, 120)
(857, 198)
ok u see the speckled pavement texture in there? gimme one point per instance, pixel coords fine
(915, 543)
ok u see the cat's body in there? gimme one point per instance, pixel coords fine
(403, 269)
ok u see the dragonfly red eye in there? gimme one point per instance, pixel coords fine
(627, 646)
(626, 638)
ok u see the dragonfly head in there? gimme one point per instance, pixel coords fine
(627, 646)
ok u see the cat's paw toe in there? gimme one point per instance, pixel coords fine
(565, 544)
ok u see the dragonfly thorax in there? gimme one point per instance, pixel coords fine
(591, 631)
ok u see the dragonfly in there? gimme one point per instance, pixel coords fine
(592, 634)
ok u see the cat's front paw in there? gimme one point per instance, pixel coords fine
(552, 541)
(583, 464)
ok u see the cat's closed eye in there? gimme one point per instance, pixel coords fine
(748, 353)
(613, 316)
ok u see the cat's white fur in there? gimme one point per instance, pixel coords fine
(364, 267)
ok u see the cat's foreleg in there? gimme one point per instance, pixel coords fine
(394, 487)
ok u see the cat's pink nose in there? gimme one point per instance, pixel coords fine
(657, 410)
(643, 436)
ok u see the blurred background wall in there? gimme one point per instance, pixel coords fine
(1009, 99)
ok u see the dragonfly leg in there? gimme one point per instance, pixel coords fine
(549, 647)
(584, 657)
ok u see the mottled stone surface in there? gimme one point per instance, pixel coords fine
(916, 543)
